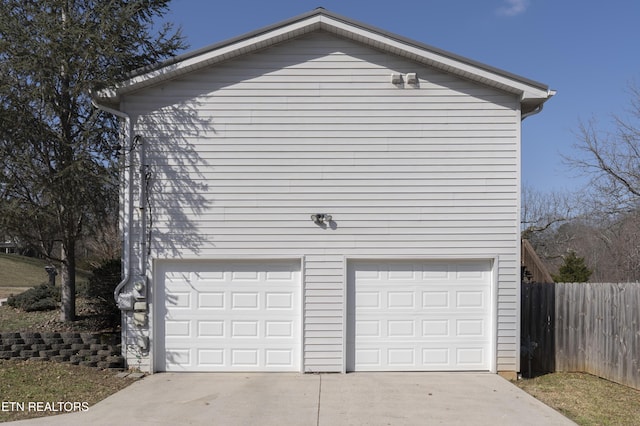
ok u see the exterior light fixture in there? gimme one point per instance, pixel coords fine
(320, 218)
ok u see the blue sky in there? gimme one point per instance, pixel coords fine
(587, 50)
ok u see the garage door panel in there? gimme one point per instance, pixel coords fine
(466, 299)
(419, 315)
(229, 316)
(470, 357)
(436, 358)
(278, 358)
(213, 358)
(368, 328)
(401, 357)
(368, 358)
(401, 329)
(244, 300)
(278, 301)
(433, 271)
(435, 328)
(211, 300)
(401, 300)
(421, 358)
(178, 328)
(279, 329)
(179, 356)
(470, 328)
(368, 299)
(180, 300)
(211, 328)
(435, 299)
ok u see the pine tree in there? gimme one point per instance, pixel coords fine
(58, 172)
(573, 270)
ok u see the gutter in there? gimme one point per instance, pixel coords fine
(538, 109)
(127, 245)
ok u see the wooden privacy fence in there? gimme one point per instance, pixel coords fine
(537, 329)
(587, 327)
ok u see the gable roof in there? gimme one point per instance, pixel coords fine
(533, 94)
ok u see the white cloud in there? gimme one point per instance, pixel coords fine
(513, 7)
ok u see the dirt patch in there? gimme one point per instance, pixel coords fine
(88, 320)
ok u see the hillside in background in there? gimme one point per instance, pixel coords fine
(18, 273)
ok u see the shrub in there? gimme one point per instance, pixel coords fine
(573, 270)
(99, 289)
(40, 298)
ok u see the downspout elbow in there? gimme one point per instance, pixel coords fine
(535, 111)
(538, 109)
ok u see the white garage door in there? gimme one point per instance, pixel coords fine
(419, 316)
(228, 316)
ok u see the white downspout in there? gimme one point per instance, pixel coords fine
(143, 210)
(129, 150)
(137, 301)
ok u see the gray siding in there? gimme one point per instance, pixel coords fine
(242, 154)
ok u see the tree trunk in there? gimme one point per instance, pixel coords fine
(68, 284)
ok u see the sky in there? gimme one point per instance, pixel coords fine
(586, 50)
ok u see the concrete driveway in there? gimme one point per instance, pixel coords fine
(316, 399)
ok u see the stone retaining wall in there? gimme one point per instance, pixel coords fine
(100, 350)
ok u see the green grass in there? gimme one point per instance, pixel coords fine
(587, 400)
(44, 381)
(19, 273)
(34, 382)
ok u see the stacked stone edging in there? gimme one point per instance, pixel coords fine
(101, 350)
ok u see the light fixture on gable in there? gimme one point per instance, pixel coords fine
(396, 78)
(320, 218)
